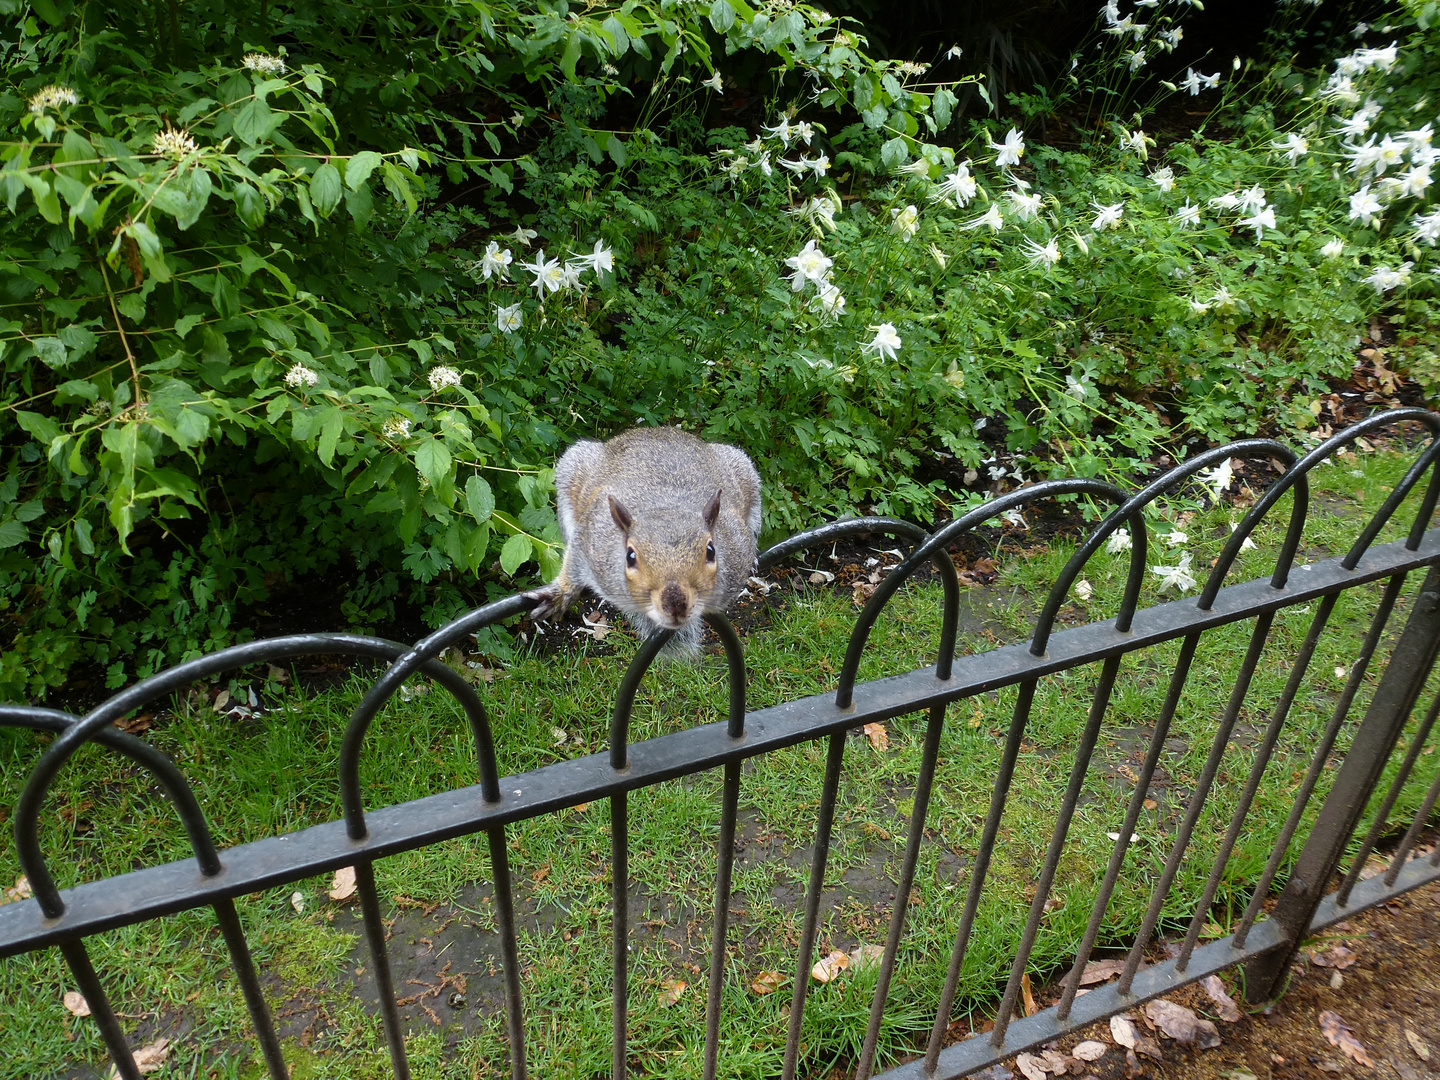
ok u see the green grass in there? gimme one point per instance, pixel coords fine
(258, 779)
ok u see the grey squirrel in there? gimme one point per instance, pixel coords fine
(658, 522)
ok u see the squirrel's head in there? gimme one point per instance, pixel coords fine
(670, 562)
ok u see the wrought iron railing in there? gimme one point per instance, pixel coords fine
(65, 918)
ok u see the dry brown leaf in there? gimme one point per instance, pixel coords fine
(19, 891)
(767, 982)
(1225, 1006)
(1122, 1030)
(1336, 956)
(1181, 1024)
(864, 955)
(1421, 1048)
(878, 736)
(1097, 971)
(1025, 992)
(1090, 1050)
(297, 901)
(1030, 1067)
(1338, 1032)
(826, 969)
(1055, 1063)
(343, 885)
(148, 1058)
(76, 1003)
(670, 991)
(540, 873)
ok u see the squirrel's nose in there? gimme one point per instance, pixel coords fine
(673, 602)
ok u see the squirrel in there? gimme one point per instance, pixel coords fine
(658, 522)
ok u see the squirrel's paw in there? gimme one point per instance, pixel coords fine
(552, 602)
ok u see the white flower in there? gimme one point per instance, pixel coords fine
(507, 319)
(919, 167)
(1384, 279)
(782, 131)
(549, 274)
(1046, 255)
(819, 165)
(1176, 577)
(797, 167)
(495, 262)
(1164, 178)
(1187, 216)
(1361, 29)
(1074, 388)
(1355, 127)
(1223, 301)
(1197, 307)
(990, 219)
(1295, 147)
(1025, 206)
(1245, 545)
(1171, 38)
(1083, 590)
(1413, 182)
(264, 63)
(1011, 150)
(1419, 139)
(1119, 542)
(1174, 538)
(442, 378)
(828, 300)
(523, 236)
(396, 427)
(811, 264)
(1262, 219)
(1427, 227)
(1218, 479)
(1252, 199)
(819, 210)
(1195, 82)
(300, 375)
(1106, 217)
(714, 83)
(1364, 207)
(885, 343)
(763, 164)
(1341, 88)
(1382, 59)
(1333, 249)
(1121, 26)
(174, 143)
(804, 132)
(1136, 57)
(610, 69)
(954, 52)
(601, 259)
(1228, 201)
(939, 256)
(53, 97)
(959, 185)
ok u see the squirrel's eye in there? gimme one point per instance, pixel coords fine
(710, 552)
(630, 557)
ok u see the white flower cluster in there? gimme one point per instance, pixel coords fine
(264, 63)
(1251, 202)
(299, 376)
(553, 276)
(396, 427)
(442, 378)
(811, 266)
(174, 143)
(819, 210)
(733, 163)
(1195, 82)
(1384, 279)
(52, 97)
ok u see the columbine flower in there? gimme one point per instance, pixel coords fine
(1171, 38)
(1419, 139)
(601, 259)
(523, 236)
(443, 378)
(1174, 538)
(763, 164)
(714, 83)
(885, 343)
(264, 63)
(797, 167)
(1011, 150)
(173, 143)
(549, 274)
(1187, 216)
(1333, 250)
(1025, 206)
(1195, 82)
(507, 319)
(1218, 479)
(1121, 26)
(1177, 577)
(811, 264)
(1223, 300)
(804, 132)
(1341, 88)
(1106, 217)
(782, 131)
(1295, 147)
(1384, 279)
(1074, 388)
(828, 300)
(396, 427)
(1228, 201)
(1119, 542)
(954, 52)
(919, 167)
(1046, 255)
(1136, 57)
(819, 211)
(991, 219)
(495, 262)
(53, 97)
(299, 376)
(1365, 208)
(819, 165)
(939, 256)
(1381, 59)
(1413, 182)
(1252, 199)
(1427, 227)
(959, 185)
(1245, 545)
(1262, 219)
(1164, 178)
(1198, 307)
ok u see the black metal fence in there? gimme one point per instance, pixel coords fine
(1266, 946)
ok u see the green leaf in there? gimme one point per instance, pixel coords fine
(78, 388)
(722, 16)
(325, 188)
(186, 323)
(12, 533)
(192, 427)
(615, 147)
(479, 499)
(51, 351)
(83, 537)
(254, 122)
(330, 432)
(476, 544)
(46, 201)
(361, 205)
(432, 458)
(617, 35)
(894, 153)
(515, 553)
(942, 106)
(249, 205)
(359, 168)
(41, 427)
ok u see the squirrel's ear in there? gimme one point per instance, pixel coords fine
(620, 514)
(712, 511)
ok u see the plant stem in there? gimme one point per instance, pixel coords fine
(124, 341)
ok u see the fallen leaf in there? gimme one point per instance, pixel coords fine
(1122, 1030)
(148, 1058)
(878, 736)
(1181, 1024)
(826, 969)
(767, 982)
(1421, 1048)
(1225, 1006)
(821, 577)
(1340, 1035)
(221, 700)
(297, 901)
(1090, 1050)
(865, 955)
(1030, 1067)
(559, 736)
(1097, 971)
(19, 891)
(343, 885)
(540, 873)
(670, 992)
(1030, 1007)
(1055, 1063)
(1336, 956)
(76, 1003)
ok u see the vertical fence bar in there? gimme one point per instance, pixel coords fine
(1417, 825)
(380, 958)
(729, 806)
(620, 943)
(509, 950)
(105, 1018)
(833, 760)
(1013, 739)
(1385, 719)
(1057, 847)
(924, 783)
(244, 968)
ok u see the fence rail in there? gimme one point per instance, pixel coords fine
(1266, 946)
